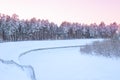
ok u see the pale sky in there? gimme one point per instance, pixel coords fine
(82, 11)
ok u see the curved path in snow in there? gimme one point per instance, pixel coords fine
(32, 50)
(24, 68)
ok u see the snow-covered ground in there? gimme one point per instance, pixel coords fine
(54, 64)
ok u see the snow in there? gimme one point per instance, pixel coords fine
(55, 64)
(69, 64)
(9, 70)
(11, 50)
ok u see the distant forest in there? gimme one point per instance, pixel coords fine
(14, 29)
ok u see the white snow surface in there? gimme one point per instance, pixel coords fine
(55, 64)
(12, 71)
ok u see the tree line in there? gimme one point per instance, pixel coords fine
(14, 29)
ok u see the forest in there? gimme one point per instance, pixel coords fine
(14, 29)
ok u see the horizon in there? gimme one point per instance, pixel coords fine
(58, 11)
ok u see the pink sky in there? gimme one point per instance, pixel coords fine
(82, 11)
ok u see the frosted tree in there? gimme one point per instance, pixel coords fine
(14, 29)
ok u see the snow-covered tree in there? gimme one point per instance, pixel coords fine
(14, 29)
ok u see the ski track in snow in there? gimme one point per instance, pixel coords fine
(24, 68)
(39, 49)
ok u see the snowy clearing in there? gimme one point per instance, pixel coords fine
(54, 64)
